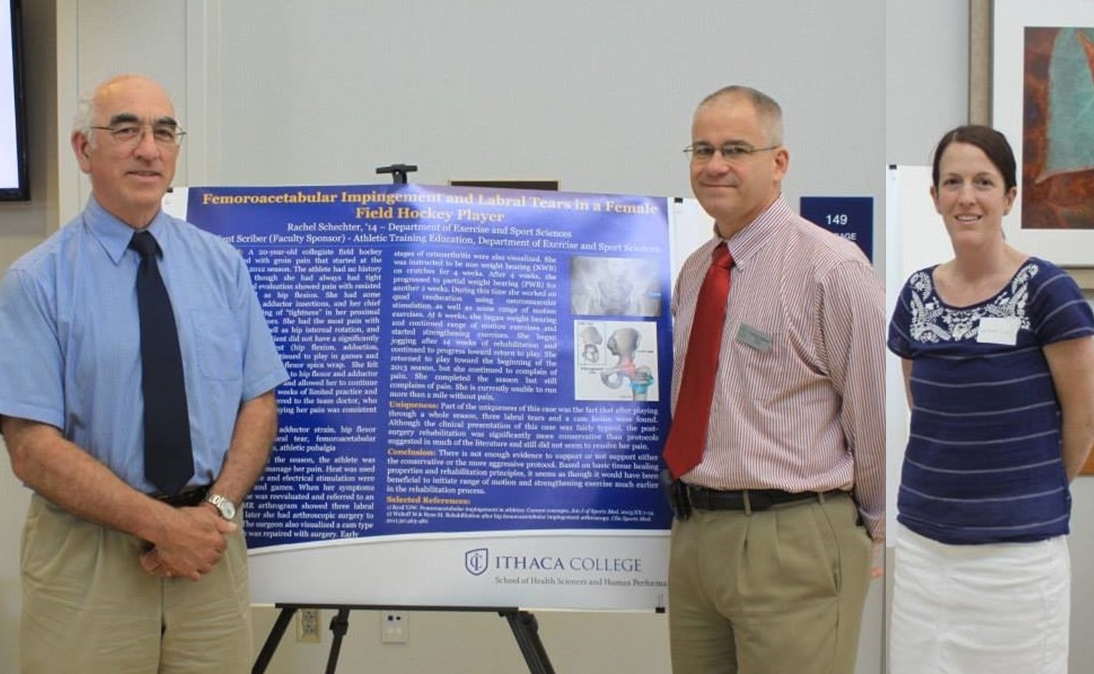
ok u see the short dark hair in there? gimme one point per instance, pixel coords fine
(991, 142)
(767, 108)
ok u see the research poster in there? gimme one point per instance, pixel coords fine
(479, 392)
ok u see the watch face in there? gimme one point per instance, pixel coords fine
(226, 508)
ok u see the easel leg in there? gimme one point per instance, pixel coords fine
(339, 625)
(272, 641)
(526, 630)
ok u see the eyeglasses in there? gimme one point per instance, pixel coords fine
(735, 153)
(165, 135)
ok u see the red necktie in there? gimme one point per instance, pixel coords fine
(688, 433)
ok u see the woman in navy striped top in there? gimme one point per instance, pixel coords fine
(999, 372)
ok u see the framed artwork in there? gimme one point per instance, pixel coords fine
(1031, 75)
(1041, 93)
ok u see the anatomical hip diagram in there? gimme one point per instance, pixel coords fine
(615, 360)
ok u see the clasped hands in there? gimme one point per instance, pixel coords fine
(194, 540)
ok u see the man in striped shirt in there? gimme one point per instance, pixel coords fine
(771, 546)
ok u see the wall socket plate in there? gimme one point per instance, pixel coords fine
(394, 627)
(309, 625)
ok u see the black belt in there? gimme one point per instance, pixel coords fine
(701, 498)
(187, 499)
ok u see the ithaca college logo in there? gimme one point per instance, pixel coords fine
(476, 561)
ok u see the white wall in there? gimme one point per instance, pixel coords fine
(1082, 572)
(22, 226)
(926, 76)
(600, 97)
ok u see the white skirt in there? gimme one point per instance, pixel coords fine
(979, 609)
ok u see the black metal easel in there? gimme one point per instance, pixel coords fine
(398, 172)
(524, 625)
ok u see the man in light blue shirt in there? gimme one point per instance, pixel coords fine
(118, 577)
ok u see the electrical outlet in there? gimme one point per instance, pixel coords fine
(308, 621)
(394, 627)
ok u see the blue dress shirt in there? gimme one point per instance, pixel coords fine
(70, 339)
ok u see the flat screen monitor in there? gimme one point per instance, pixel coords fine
(13, 137)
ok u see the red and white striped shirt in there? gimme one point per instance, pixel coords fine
(799, 398)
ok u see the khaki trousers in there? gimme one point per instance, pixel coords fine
(771, 592)
(89, 607)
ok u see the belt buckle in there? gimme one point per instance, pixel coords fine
(759, 500)
(714, 499)
(188, 498)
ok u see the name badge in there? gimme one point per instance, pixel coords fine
(999, 330)
(750, 336)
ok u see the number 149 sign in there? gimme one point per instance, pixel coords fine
(849, 217)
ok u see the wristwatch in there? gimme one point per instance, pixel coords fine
(224, 506)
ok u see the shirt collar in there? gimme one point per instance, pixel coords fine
(746, 243)
(114, 235)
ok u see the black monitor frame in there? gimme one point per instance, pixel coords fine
(21, 191)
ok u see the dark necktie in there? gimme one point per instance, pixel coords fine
(168, 455)
(688, 433)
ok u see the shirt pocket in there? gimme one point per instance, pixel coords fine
(759, 355)
(219, 347)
